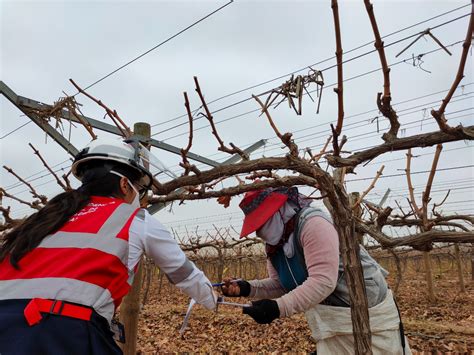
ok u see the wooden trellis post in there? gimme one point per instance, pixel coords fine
(472, 262)
(462, 288)
(130, 307)
(429, 276)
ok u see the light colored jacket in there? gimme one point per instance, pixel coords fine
(295, 290)
(374, 274)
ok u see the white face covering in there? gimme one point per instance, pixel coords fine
(136, 199)
(272, 231)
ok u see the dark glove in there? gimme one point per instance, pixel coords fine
(244, 289)
(263, 311)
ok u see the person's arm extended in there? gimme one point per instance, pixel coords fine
(269, 287)
(149, 235)
(320, 244)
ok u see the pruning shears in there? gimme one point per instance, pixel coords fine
(219, 284)
(220, 300)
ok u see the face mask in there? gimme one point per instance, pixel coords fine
(136, 199)
(272, 230)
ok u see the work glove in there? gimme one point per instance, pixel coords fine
(263, 311)
(235, 288)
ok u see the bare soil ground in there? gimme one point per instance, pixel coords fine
(445, 327)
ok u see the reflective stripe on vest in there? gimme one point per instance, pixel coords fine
(60, 288)
(85, 262)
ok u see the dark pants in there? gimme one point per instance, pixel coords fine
(55, 335)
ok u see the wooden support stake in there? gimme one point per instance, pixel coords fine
(130, 308)
(472, 262)
(429, 276)
(462, 288)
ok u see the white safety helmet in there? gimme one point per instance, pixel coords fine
(128, 152)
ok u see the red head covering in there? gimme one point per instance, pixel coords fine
(258, 206)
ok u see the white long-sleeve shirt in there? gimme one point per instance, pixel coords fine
(149, 236)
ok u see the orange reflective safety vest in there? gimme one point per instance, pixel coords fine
(85, 262)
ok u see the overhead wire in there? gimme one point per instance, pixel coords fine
(433, 194)
(183, 31)
(250, 87)
(216, 218)
(363, 135)
(9, 188)
(394, 104)
(157, 46)
(459, 189)
(199, 218)
(452, 182)
(18, 184)
(418, 155)
(354, 49)
(375, 162)
(15, 130)
(405, 125)
(419, 188)
(183, 230)
(446, 203)
(361, 123)
(205, 219)
(412, 173)
(30, 178)
(345, 118)
(38, 185)
(136, 58)
(317, 63)
(257, 109)
(216, 122)
(360, 137)
(229, 216)
(240, 115)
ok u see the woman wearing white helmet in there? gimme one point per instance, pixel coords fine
(65, 269)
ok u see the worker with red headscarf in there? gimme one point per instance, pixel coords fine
(306, 275)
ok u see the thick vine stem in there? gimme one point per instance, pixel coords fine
(419, 140)
(426, 194)
(411, 190)
(344, 223)
(383, 101)
(417, 241)
(340, 79)
(185, 164)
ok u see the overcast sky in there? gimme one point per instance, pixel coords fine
(44, 43)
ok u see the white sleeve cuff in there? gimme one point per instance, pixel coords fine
(198, 287)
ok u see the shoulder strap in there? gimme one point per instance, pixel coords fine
(303, 216)
(301, 219)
